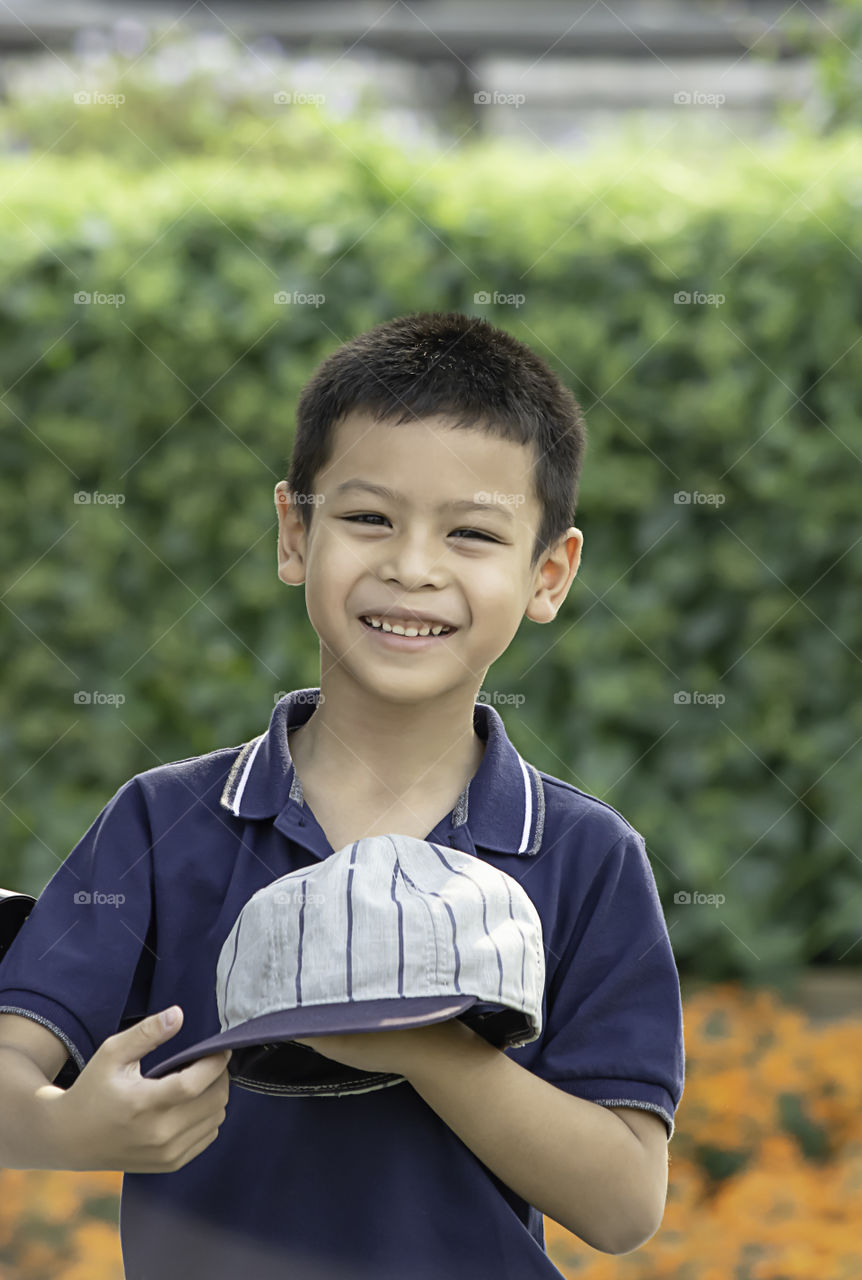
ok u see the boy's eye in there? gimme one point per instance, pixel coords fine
(369, 515)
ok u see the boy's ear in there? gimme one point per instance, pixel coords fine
(291, 537)
(555, 573)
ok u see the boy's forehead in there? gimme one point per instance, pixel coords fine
(464, 456)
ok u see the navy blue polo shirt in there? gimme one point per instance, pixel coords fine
(371, 1186)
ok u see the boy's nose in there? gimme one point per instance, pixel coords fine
(413, 563)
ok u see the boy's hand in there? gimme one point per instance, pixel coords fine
(116, 1119)
(392, 1051)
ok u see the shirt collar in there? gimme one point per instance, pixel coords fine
(503, 805)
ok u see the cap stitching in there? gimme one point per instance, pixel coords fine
(335, 1089)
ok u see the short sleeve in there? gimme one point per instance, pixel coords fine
(77, 961)
(614, 1029)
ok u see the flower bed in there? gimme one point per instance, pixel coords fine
(765, 1178)
(765, 1166)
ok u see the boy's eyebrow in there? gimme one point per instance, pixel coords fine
(380, 491)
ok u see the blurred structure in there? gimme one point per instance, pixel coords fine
(562, 72)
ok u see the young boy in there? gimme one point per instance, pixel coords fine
(433, 480)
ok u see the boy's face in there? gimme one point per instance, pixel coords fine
(368, 553)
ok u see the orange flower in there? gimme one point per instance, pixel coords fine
(744, 1199)
(98, 1254)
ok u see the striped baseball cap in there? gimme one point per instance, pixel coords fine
(389, 932)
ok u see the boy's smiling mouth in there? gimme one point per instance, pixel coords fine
(406, 628)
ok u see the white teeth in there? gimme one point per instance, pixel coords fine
(410, 630)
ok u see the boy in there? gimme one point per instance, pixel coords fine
(432, 480)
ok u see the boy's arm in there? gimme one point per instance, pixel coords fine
(30, 1137)
(593, 1172)
(110, 1118)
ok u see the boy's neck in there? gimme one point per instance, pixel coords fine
(395, 750)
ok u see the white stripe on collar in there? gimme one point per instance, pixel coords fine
(534, 807)
(528, 807)
(247, 756)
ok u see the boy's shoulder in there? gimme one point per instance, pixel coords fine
(577, 816)
(204, 776)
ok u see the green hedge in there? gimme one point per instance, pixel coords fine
(172, 601)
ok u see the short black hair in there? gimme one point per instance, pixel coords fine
(456, 365)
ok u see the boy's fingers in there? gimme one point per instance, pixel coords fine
(136, 1042)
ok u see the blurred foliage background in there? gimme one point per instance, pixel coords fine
(198, 200)
(837, 62)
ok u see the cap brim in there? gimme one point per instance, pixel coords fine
(396, 1014)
